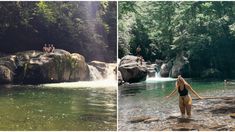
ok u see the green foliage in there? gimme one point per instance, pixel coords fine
(45, 11)
(203, 30)
(88, 28)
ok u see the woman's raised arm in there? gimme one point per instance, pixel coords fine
(173, 92)
(191, 90)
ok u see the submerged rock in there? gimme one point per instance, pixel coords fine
(132, 69)
(151, 120)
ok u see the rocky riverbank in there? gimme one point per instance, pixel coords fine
(132, 69)
(33, 67)
(208, 115)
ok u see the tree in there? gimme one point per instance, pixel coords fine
(83, 27)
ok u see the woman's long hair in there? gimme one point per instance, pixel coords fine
(180, 79)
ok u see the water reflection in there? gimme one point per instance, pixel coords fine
(34, 108)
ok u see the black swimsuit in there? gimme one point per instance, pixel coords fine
(184, 92)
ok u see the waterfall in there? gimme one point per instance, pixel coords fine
(107, 73)
(94, 73)
(110, 74)
(158, 78)
(157, 75)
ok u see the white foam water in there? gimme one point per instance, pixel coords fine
(108, 84)
(158, 78)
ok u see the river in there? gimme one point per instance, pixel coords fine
(146, 100)
(62, 106)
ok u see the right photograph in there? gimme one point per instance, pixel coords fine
(176, 65)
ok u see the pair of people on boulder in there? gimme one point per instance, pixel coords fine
(48, 49)
(139, 57)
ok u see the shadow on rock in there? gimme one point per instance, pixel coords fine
(184, 120)
(223, 110)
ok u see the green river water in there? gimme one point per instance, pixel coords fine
(147, 99)
(43, 107)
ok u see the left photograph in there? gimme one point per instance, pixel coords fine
(58, 63)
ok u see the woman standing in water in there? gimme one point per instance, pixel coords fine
(185, 100)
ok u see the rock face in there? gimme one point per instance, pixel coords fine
(132, 70)
(38, 67)
(165, 69)
(211, 73)
(180, 67)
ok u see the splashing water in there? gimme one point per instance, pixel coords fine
(106, 84)
(94, 73)
(158, 78)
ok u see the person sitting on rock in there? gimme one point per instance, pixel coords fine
(138, 50)
(52, 48)
(140, 59)
(185, 100)
(44, 49)
(49, 48)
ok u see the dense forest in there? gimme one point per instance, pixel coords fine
(88, 28)
(203, 31)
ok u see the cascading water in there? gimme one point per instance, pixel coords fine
(97, 80)
(158, 78)
(110, 71)
(94, 73)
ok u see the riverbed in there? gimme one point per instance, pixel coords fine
(142, 106)
(62, 106)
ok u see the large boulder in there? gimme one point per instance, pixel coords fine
(165, 69)
(180, 66)
(60, 66)
(132, 69)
